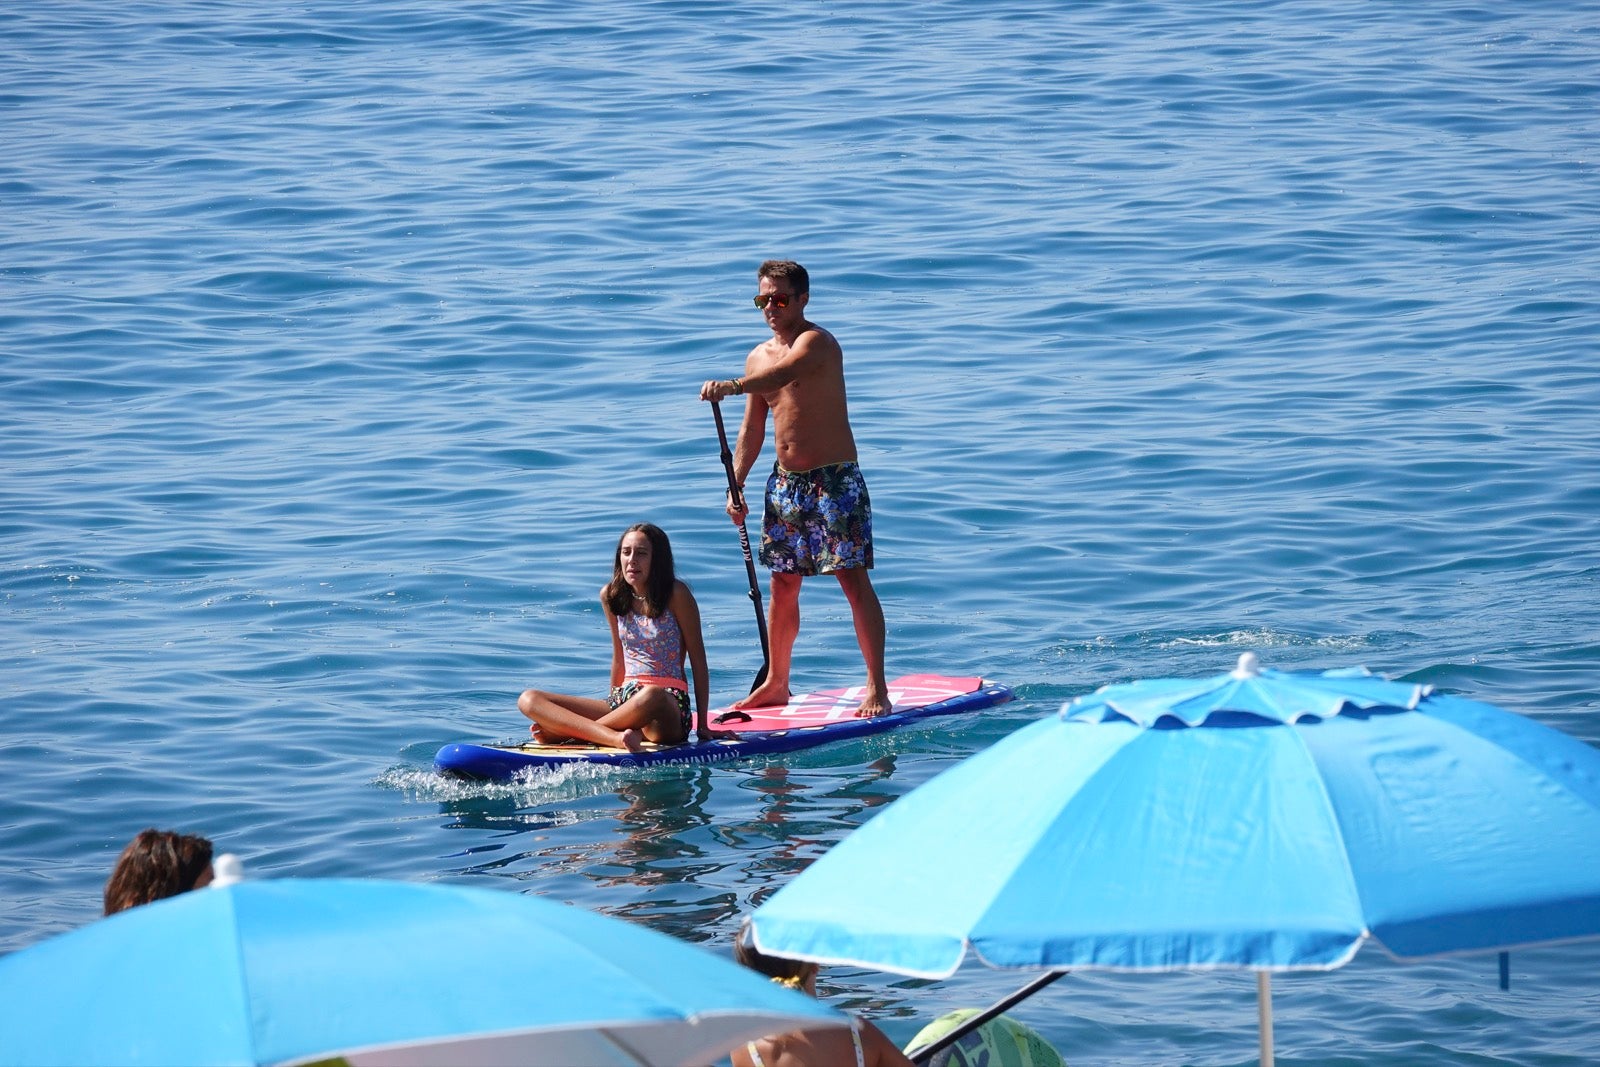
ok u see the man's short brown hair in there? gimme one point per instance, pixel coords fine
(786, 270)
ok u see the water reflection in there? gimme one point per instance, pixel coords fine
(645, 845)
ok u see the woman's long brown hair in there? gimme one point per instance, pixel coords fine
(658, 586)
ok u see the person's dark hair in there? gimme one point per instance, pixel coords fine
(658, 586)
(780, 969)
(156, 864)
(786, 270)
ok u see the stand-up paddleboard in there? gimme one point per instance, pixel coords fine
(812, 719)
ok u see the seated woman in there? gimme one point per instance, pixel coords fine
(655, 630)
(863, 1044)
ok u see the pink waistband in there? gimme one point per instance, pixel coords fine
(666, 683)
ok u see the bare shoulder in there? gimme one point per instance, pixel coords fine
(881, 1052)
(813, 352)
(814, 337)
(810, 344)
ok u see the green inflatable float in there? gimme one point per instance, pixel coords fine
(1000, 1042)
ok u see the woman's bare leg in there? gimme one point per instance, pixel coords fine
(559, 715)
(651, 714)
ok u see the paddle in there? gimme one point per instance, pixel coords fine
(744, 543)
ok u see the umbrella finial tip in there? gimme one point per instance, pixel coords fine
(1249, 666)
(229, 870)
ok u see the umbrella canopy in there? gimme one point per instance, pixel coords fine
(1257, 819)
(294, 971)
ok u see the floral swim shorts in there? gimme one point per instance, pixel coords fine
(621, 694)
(817, 521)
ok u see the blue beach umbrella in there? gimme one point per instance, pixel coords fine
(297, 971)
(1259, 819)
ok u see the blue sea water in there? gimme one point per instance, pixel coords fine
(339, 342)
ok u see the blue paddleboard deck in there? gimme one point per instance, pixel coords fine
(806, 721)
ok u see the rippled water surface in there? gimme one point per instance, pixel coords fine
(338, 343)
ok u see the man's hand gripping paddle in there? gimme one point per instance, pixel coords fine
(744, 543)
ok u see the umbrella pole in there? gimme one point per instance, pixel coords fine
(1264, 1014)
(925, 1053)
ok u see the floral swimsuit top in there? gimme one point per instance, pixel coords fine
(652, 650)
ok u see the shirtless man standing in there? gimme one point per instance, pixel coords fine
(818, 518)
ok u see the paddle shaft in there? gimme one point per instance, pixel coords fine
(925, 1053)
(744, 544)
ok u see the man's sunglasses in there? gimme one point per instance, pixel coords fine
(775, 298)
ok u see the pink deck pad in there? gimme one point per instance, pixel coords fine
(832, 705)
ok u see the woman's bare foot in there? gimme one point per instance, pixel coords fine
(548, 737)
(633, 740)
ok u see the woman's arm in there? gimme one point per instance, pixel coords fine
(617, 667)
(694, 647)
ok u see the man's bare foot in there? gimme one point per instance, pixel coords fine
(768, 696)
(872, 707)
(633, 740)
